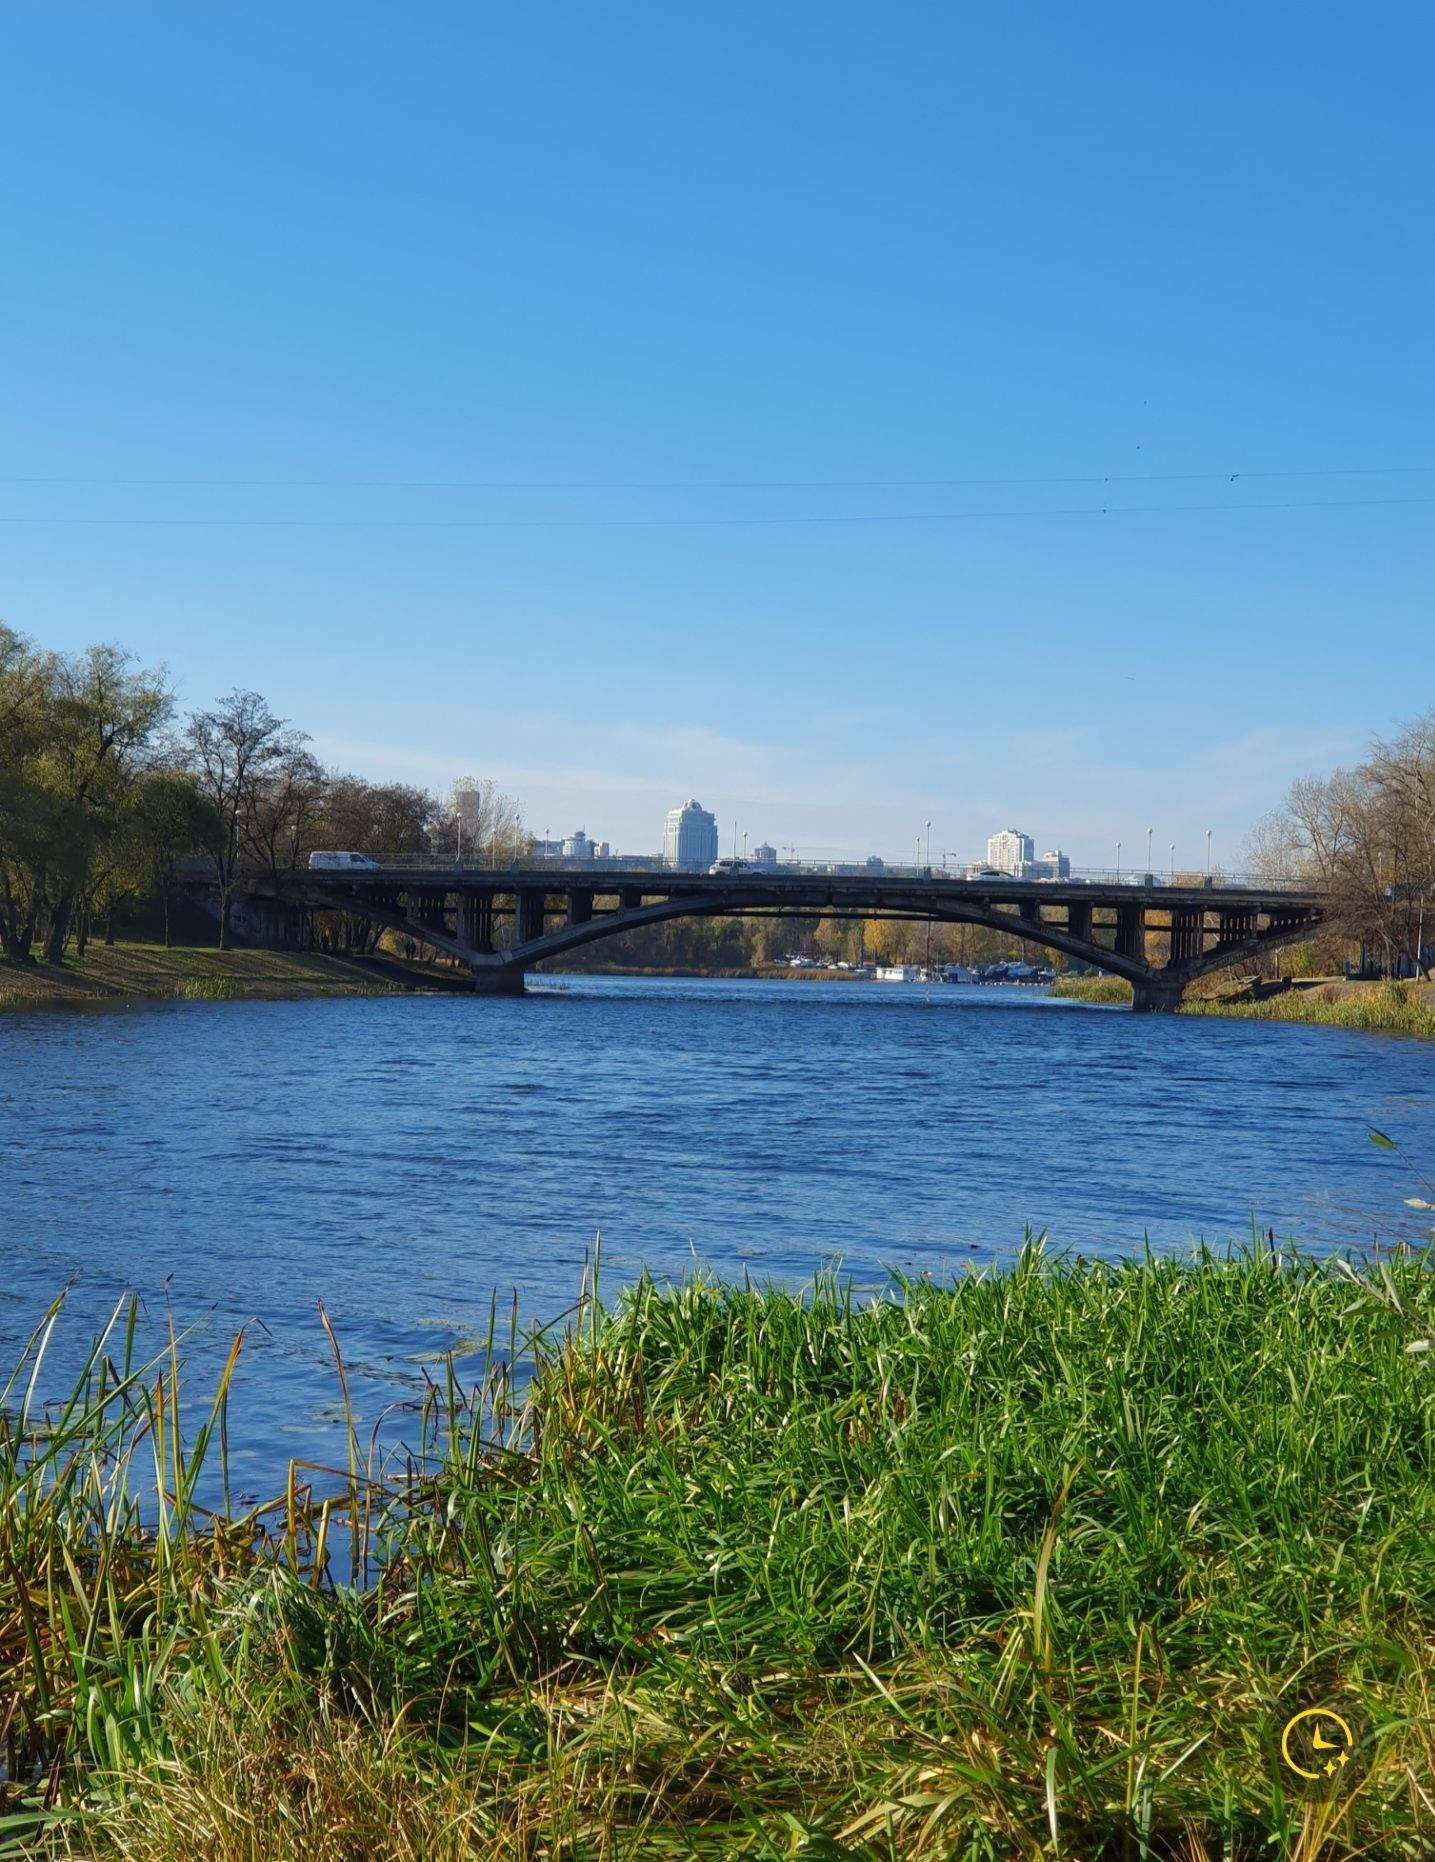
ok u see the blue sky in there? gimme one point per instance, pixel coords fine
(461, 359)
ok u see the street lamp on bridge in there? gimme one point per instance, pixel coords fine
(1208, 853)
(1149, 833)
(1118, 863)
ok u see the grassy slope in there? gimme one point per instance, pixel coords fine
(1034, 1565)
(149, 970)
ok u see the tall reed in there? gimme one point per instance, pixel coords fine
(1034, 1563)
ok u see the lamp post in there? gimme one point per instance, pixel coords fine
(1118, 863)
(545, 843)
(744, 846)
(1171, 869)
(928, 860)
(1149, 833)
(918, 856)
(1208, 853)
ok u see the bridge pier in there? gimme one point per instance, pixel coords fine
(1155, 997)
(495, 977)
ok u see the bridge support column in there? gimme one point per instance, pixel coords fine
(1156, 996)
(497, 978)
(530, 916)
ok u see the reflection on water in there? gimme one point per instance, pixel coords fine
(406, 1160)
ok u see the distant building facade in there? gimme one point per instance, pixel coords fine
(1011, 852)
(690, 838)
(765, 857)
(1053, 865)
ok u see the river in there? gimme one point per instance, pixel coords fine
(406, 1159)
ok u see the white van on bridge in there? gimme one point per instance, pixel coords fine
(333, 862)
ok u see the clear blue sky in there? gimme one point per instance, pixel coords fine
(570, 273)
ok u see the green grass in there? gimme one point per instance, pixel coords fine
(201, 973)
(1387, 1008)
(1033, 1565)
(1092, 988)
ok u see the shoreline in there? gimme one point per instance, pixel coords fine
(141, 972)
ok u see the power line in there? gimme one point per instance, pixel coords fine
(756, 484)
(704, 523)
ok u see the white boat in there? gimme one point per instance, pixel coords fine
(899, 972)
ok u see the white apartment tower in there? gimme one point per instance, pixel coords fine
(1011, 851)
(690, 838)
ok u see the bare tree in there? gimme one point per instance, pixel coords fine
(237, 753)
(483, 823)
(1368, 834)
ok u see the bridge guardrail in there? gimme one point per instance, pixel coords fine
(564, 872)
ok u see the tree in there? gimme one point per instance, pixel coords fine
(75, 732)
(170, 821)
(236, 753)
(483, 824)
(1368, 835)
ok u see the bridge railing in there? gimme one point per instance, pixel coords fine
(568, 871)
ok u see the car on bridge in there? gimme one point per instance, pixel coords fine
(342, 862)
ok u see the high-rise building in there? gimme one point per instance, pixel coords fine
(1011, 851)
(690, 838)
(466, 802)
(1053, 865)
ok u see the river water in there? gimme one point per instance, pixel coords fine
(405, 1159)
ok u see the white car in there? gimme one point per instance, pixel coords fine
(341, 862)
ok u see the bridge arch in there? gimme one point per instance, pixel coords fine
(461, 911)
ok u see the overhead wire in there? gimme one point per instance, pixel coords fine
(751, 484)
(820, 519)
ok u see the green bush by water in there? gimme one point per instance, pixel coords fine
(1091, 988)
(1033, 1564)
(206, 989)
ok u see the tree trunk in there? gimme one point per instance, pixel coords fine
(223, 915)
(109, 929)
(57, 934)
(82, 932)
(166, 914)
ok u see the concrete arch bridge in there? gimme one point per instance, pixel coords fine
(502, 922)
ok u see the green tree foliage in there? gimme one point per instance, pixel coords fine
(76, 735)
(98, 809)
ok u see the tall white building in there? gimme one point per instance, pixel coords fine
(1011, 851)
(690, 838)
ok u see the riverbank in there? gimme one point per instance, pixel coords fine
(1039, 1562)
(150, 972)
(1377, 1008)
